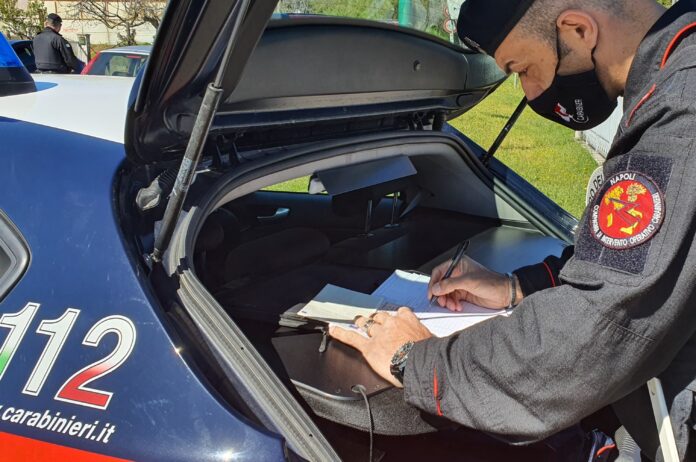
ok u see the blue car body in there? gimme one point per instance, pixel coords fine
(160, 408)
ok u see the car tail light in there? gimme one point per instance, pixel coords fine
(89, 65)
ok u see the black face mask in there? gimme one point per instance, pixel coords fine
(577, 101)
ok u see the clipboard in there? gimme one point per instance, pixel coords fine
(332, 373)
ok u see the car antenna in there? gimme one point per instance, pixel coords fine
(505, 131)
(194, 149)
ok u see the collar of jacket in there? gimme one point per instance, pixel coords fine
(49, 30)
(648, 59)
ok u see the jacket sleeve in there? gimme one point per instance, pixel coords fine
(544, 275)
(617, 320)
(67, 53)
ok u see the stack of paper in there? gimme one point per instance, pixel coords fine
(338, 305)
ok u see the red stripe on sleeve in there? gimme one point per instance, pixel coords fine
(436, 393)
(605, 449)
(640, 103)
(675, 40)
(548, 268)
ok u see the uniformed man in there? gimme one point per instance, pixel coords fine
(592, 327)
(53, 53)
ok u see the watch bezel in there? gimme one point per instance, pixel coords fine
(398, 361)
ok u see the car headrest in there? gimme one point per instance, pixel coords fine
(221, 226)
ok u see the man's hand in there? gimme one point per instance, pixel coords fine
(471, 282)
(387, 334)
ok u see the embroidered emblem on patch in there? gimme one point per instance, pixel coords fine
(627, 212)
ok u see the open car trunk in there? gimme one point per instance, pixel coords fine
(256, 253)
(240, 102)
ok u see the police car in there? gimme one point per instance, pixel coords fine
(147, 263)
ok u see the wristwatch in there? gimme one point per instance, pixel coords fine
(398, 362)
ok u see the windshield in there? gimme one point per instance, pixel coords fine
(435, 17)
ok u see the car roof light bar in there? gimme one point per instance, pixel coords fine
(14, 77)
(194, 149)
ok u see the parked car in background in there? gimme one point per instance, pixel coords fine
(25, 51)
(121, 62)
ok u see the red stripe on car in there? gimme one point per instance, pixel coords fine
(20, 448)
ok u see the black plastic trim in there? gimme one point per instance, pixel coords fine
(313, 20)
(14, 255)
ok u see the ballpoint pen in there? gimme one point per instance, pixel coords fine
(458, 255)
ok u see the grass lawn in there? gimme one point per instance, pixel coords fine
(544, 153)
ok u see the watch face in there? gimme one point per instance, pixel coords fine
(398, 362)
(398, 357)
(402, 353)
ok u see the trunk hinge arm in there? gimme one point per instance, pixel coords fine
(439, 121)
(194, 149)
(504, 132)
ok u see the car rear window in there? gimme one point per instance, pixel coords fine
(435, 17)
(117, 64)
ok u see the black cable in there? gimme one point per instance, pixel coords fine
(361, 389)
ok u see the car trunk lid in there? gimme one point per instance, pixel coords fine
(294, 79)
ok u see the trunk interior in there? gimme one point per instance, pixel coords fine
(262, 251)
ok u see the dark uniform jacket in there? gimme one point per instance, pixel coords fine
(617, 310)
(53, 53)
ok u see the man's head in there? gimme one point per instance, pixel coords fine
(54, 22)
(542, 38)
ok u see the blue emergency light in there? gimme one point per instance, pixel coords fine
(14, 77)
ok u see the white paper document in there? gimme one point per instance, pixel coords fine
(409, 289)
(337, 305)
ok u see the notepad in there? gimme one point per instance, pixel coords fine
(337, 305)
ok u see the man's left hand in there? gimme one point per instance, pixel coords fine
(386, 334)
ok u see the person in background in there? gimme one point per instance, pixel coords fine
(53, 53)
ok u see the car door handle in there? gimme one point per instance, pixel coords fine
(281, 213)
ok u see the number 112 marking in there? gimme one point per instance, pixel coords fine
(74, 390)
(18, 324)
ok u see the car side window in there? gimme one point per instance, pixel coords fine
(14, 255)
(297, 185)
(542, 152)
(118, 65)
(23, 51)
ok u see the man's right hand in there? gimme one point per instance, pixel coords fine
(471, 282)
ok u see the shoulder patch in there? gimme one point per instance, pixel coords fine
(627, 212)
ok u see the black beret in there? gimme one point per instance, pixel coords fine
(54, 17)
(484, 24)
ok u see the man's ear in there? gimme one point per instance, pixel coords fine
(578, 30)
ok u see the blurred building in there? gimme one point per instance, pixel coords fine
(73, 24)
(76, 23)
